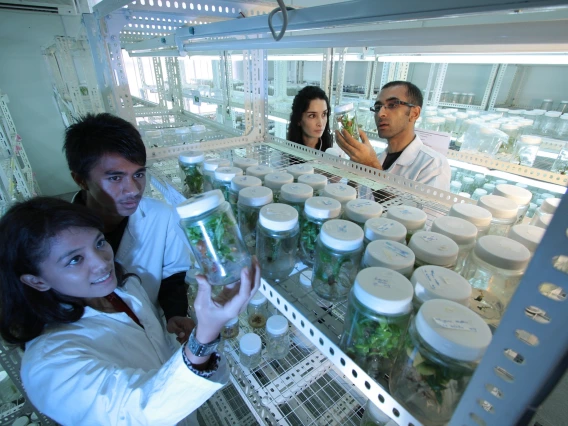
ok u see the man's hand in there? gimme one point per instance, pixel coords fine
(181, 327)
(359, 152)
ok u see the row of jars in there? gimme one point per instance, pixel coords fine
(174, 136)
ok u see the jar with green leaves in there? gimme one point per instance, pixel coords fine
(412, 218)
(346, 119)
(275, 181)
(251, 200)
(316, 181)
(381, 228)
(238, 183)
(295, 195)
(223, 178)
(191, 164)
(360, 211)
(209, 167)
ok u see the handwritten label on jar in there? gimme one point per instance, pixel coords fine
(429, 238)
(455, 324)
(381, 282)
(433, 282)
(384, 227)
(399, 252)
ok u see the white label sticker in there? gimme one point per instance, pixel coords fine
(455, 324)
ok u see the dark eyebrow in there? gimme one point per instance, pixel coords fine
(392, 98)
(121, 173)
(314, 112)
(71, 252)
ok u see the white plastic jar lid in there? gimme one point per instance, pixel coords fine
(499, 207)
(198, 128)
(240, 182)
(453, 330)
(479, 192)
(250, 344)
(516, 111)
(226, 174)
(276, 180)
(411, 217)
(322, 208)
(553, 114)
(435, 282)
(298, 170)
(433, 248)
(199, 204)
(519, 195)
(153, 133)
(232, 322)
(296, 192)
(212, 165)
(244, 163)
(509, 127)
(255, 196)
(502, 252)
(341, 235)
(486, 130)
(21, 421)
(549, 205)
(461, 115)
(542, 221)
(316, 181)
(464, 194)
(490, 187)
(531, 140)
(468, 180)
(334, 151)
(381, 228)
(360, 210)
(527, 235)
(278, 217)
(389, 254)
(191, 157)
(258, 299)
(343, 108)
(277, 325)
(459, 230)
(182, 130)
(502, 109)
(259, 171)
(383, 291)
(340, 192)
(545, 196)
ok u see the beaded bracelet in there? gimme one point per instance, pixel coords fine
(213, 364)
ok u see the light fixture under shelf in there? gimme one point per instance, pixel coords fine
(528, 59)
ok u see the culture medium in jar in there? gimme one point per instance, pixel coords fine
(521, 196)
(317, 211)
(390, 255)
(381, 228)
(209, 167)
(445, 344)
(346, 118)
(153, 138)
(338, 254)
(277, 235)
(230, 329)
(462, 232)
(431, 248)
(223, 178)
(547, 207)
(360, 211)
(412, 218)
(244, 162)
(341, 192)
(191, 164)
(316, 181)
(494, 269)
(259, 171)
(435, 282)
(183, 135)
(275, 181)
(250, 347)
(238, 183)
(257, 310)
(298, 170)
(560, 165)
(277, 337)
(527, 235)
(378, 312)
(251, 200)
(526, 149)
(373, 416)
(295, 195)
(503, 212)
(216, 242)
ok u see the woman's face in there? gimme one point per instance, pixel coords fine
(80, 263)
(314, 119)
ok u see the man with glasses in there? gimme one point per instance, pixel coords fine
(396, 110)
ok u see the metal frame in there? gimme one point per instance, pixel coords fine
(340, 77)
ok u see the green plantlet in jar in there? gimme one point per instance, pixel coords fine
(331, 278)
(308, 237)
(349, 124)
(193, 179)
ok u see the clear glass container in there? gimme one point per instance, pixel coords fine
(461, 125)
(531, 211)
(251, 200)
(346, 118)
(562, 107)
(521, 196)
(479, 180)
(360, 211)
(494, 269)
(373, 416)
(467, 184)
(562, 127)
(275, 181)
(560, 165)
(455, 98)
(316, 181)
(489, 187)
(550, 123)
(169, 136)
(455, 187)
(183, 135)
(449, 124)
(213, 234)
(198, 132)
(478, 193)
(528, 235)
(209, 167)
(338, 254)
(453, 172)
(298, 170)
(431, 248)
(377, 317)
(223, 178)
(412, 218)
(191, 165)
(512, 131)
(470, 139)
(546, 104)
(435, 282)
(340, 192)
(231, 329)
(250, 350)
(277, 337)
(257, 311)
(244, 163)
(390, 255)
(277, 235)
(381, 228)
(460, 231)
(295, 195)
(547, 207)
(445, 343)
(526, 149)
(542, 221)
(260, 171)
(436, 124)
(503, 212)
(365, 117)
(238, 183)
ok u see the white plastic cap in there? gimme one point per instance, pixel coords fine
(199, 204)
(278, 217)
(489, 187)
(527, 235)
(411, 217)
(232, 322)
(255, 196)
(198, 128)
(213, 164)
(549, 205)
(259, 171)
(298, 170)
(296, 192)
(340, 192)
(519, 195)
(459, 230)
(240, 182)
(383, 291)
(434, 282)
(486, 130)
(509, 127)
(343, 108)
(502, 252)
(479, 216)
(316, 181)
(258, 299)
(360, 210)
(499, 207)
(516, 111)
(334, 151)
(277, 325)
(341, 235)
(250, 344)
(244, 163)
(553, 114)
(276, 180)
(479, 192)
(182, 130)
(433, 248)
(464, 194)
(226, 174)
(468, 180)
(391, 255)
(461, 115)
(531, 140)
(381, 228)
(542, 221)
(191, 157)
(453, 330)
(322, 208)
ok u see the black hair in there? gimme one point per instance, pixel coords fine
(299, 106)
(412, 91)
(26, 231)
(96, 135)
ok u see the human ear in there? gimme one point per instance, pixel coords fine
(80, 181)
(415, 113)
(34, 282)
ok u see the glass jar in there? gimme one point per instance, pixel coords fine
(489, 187)
(223, 178)
(547, 207)
(338, 254)
(478, 193)
(317, 211)
(153, 138)
(209, 167)
(251, 200)
(434, 124)
(373, 416)
(340, 192)
(512, 131)
(191, 165)
(346, 118)
(183, 135)
(298, 170)
(295, 195)
(360, 211)
(542, 221)
(238, 183)
(562, 127)
(449, 124)
(460, 231)
(494, 269)
(316, 181)
(560, 165)
(516, 113)
(390, 255)
(216, 242)
(259, 171)
(455, 187)
(435, 282)
(455, 98)
(550, 123)
(381, 228)
(230, 329)
(526, 149)
(471, 138)
(528, 235)
(257, 310)
(431, 248)
(461, 125)
(520, 196)
(244, 163)
(250, 350)
(412, 218)
(445, 343)
(467, 185)
(546, 104)
(503, 212)
(562, 107)
(277, 235)
(479, 180)
(275, 181)
(198, 133)
(453, 172)
(277, 337)
(365, 117)
(378, 313)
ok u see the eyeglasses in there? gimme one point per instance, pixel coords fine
(394, 104)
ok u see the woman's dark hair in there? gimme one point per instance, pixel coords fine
(25, 234)
(299, 106)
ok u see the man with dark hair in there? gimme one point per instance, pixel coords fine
(396, 110)
(107, 159)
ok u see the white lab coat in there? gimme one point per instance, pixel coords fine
(422, 164)
(106, 370)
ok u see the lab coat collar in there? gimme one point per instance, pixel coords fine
(409, 154)
(123, 293)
